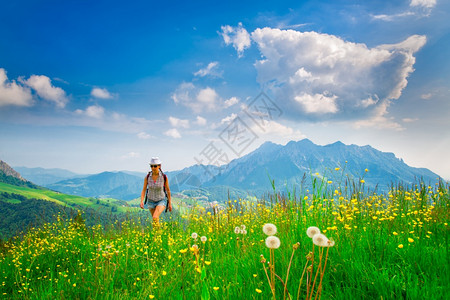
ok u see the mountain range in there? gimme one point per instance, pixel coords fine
(292, 166)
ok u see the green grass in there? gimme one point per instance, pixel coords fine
(64, 199)
(392, 246)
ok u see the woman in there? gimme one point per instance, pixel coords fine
(157, 187)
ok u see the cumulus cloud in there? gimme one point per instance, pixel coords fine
(174, 133)
(236, 36)
(317, 103)
(228, 119)
(101, 93)
(175, 122)
(197, 99)
(210, 70)
(45, 90)
(12, 93)
(379, 120)
(200, 121)
(278, 130)
(93, 111)
(230, 102)
(320, 76)
(143, 135)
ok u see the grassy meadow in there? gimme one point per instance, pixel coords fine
(392, 246)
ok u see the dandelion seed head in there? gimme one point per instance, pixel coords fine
(237, 230)
(320, 240)
(194, 235)
(203, 239)
(313, 230)
(273, 242)
(269, 229)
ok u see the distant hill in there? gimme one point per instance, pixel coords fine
(293, 165)
(118, 185)
(43, 177)
(24, 204)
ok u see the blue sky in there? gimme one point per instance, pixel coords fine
(95, 86)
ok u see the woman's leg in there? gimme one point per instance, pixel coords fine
(156, 212)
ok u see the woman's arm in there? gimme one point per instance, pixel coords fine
(143, 192)
(169, 197)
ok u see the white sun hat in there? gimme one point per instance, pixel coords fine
(155, 161)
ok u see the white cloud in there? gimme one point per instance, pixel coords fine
(197, 99)
(101, 93)
(175, 122)
(423, 3)
(417, 8)
(201, 100)
(379, 120)
(210, 70)
(143, 135)
(394, 17)
(228, 119)
(277, 130)
(323, 76)
(208, 97)
(409, 120)
(200, 121)
(426, 96)
(173, 133)
(44, 88)
(93, 111)
(237, 36)
(317, 103)
(12, 93)
(230, 102)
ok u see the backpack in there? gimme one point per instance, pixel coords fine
(164, 187)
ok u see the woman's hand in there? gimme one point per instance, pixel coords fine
(170, 206)
(142, 205)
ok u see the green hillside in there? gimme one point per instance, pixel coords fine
(24, 206)
(103, 205)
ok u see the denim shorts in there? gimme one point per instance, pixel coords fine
(154, 204)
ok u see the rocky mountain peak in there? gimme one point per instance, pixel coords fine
(5, 168)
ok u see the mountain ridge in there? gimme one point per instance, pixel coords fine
(252, 173)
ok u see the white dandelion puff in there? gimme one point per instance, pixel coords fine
(237, 230)
(312, 231)
(273, 242)
(194, 235)
(203, 239)
(243, 227)
(270, 229)
(320, 240)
